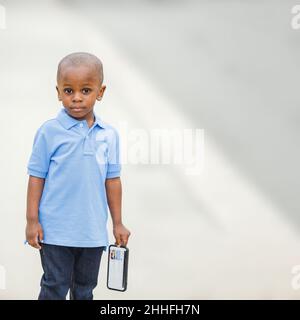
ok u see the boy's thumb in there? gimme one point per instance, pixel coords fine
(118, 241)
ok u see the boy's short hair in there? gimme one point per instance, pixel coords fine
(81, 58)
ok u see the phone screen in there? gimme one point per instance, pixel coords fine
(116, 268)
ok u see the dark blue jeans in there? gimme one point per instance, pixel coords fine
(69, 268)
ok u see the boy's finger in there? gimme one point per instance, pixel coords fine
(118, 241)
(41, 235)
(34, 244)
(124, 241)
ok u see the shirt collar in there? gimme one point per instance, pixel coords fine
(68, 122)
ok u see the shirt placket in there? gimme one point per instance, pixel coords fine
(87, 133)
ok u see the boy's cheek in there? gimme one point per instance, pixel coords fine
(66, 100)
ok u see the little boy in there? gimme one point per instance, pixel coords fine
(74, 175)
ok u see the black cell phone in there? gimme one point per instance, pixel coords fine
(117, 269)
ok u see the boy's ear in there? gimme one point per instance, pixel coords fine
(101, 92)
(58, 94)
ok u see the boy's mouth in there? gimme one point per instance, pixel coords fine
(77, 109)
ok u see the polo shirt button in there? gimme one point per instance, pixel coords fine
(81, 125)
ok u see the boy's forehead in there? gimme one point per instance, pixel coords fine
(78, 74)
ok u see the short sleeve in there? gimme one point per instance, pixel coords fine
(114, 163)
(38, 163)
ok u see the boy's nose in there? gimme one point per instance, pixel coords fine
(77, 97)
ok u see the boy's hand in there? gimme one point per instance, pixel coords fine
(34, 234)
(121, 234)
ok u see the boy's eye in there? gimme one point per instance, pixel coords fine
(86, 90)
(68, 90)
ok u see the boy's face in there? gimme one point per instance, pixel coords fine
(78, 88)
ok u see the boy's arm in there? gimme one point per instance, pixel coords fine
(114, 200)
(34, 232)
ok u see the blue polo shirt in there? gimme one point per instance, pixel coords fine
(75, 161)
